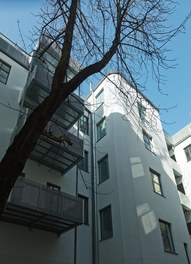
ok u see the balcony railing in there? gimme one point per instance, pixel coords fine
(58, 149)
(185, 201)
(175, 166)
(39, 86)
(37, 206)
(13, 51)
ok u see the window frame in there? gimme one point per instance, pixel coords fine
(100, 169)
(53, 186)
(100, 135)
(85, 201)
(84, 124)
(142, 111)
(84, 162)
(148, 144)
(100, 95)
(187, 151)
(167, 236)
(186, 252)
(156, 183)
(104, 232)
(7, 73)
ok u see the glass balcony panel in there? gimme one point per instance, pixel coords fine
(38, 87)
(58, 149)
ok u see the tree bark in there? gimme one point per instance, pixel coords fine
(17, 154)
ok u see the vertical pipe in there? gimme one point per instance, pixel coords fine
(94, 261)
(75, 230)
(94, 215)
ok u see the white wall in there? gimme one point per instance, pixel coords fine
(9, 100)
(181, 140)
(19, 245)
(136, 209)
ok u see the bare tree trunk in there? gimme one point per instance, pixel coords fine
(17, 154)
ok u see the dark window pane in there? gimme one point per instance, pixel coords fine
(147, 141)
(188, 152)
(53, 186)
(101, 129)
(4, 72)
(106, 223)
(142, 111)
(166, 237)
(85, 208)
(103, 169)
(156, 182)
(83, 164)
(84, 124)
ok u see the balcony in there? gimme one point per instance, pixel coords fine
(38, 206)
(15, 52)
(185, 201)
(175, 166)
(38, 88)
(58, 149)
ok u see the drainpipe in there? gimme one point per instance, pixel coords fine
(95, 258)
(76, 230)
(76, 193)
(94, 233)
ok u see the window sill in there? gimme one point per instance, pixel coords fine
(151, 151)
(100, 138)
(103, 239)
(160, 194)
(87, 171)
(103, 181)
(171, 252)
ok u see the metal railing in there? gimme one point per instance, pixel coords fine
(32, 195)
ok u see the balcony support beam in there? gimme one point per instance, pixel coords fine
(36, 222)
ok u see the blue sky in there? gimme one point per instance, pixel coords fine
(177, 84)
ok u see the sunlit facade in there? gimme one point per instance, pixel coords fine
(140, 207)
(102, 185)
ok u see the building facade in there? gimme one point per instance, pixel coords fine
(103, 185)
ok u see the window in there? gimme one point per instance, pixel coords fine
(101, 129)
(166, 235)
(99, 98)
(142, 111)
(84, 124)
(83, 164)
(4, 72)
(53, 186)
(103, 169)
(106, 223)
(180, 187)
(188, 152)
(147, 141)
(186, 251)
(156, 182)
(85, 208)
